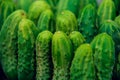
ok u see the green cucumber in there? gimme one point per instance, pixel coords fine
(61, 56)
(26, 43)
(8, 44)
(104, 56)
(36, 9)
(46, 21)
(106, 11)
(113, 29)
(82, 67)
(66, 22)
(77, 39)
(43, 56)
(87, 22)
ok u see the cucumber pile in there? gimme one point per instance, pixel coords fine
(59, 40)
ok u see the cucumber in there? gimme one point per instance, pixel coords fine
(36, 9)
(8, 44)
(77, 39)
(46, 21)
(106, 11)
(26, 43)
(66, 22)
(61, 56)
(87, 22)
(83, 58)
(44, 66)
(104, 56)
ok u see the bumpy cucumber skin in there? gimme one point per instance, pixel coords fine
(8, 44)
(71, 5)
(43, 56)
(77, 39)
(6, 8)
(87, 21)
(82, 66)
(36, 9)
(112, 28)
(61, 56)
(106, 11)
(104, 56)
(26, 44)
(66, 22)
(46, 21)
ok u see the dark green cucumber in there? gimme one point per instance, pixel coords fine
(82, 67)
(8, 44)
(43, 56)
(87, 22)
(6, 8)
(66, 22)
(36, 9)
(26, 44)
(61, 56)
(104, 56)
(46, 21)
(106, 11)
(77, 39)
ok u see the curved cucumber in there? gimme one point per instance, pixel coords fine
(8, 44)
